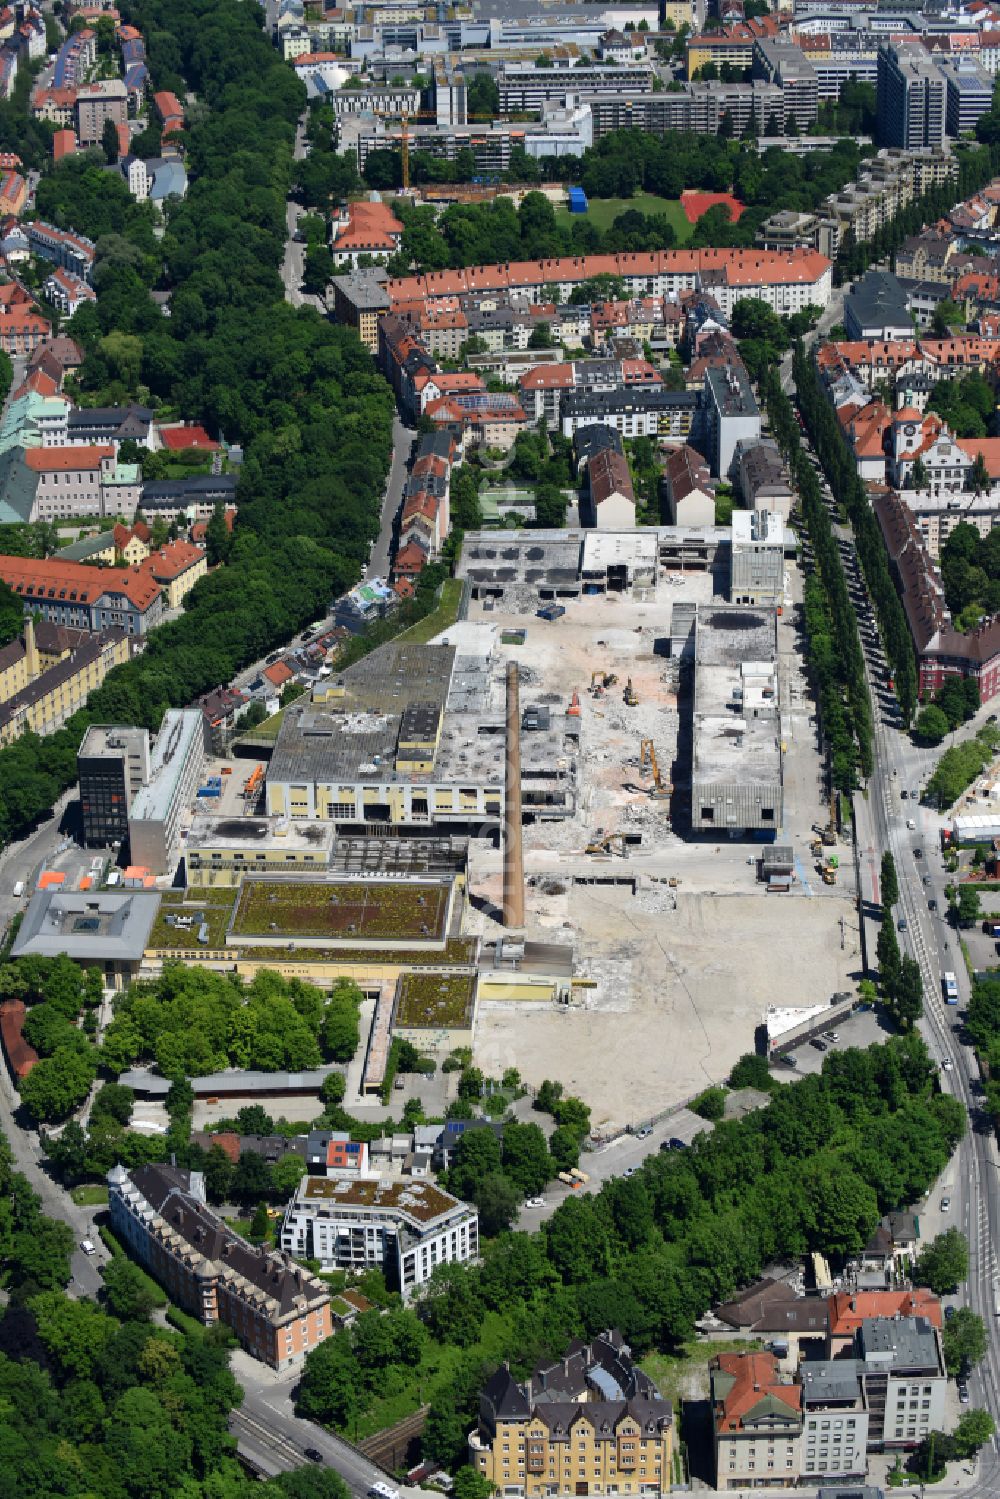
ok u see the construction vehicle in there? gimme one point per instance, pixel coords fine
(610, 678)
(629, 695)
(816, 848)
(647, 755)
(573, 711)
(607, 844)
(827, 835)
(828, 874)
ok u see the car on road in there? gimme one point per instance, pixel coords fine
(901, 924)
(534, 1202)
(918, 853)
(88, 1246)
(948, 1066)
(314, 1455)
(644, 1133)
(903, 794)
(946, 1204)
(949, 1312)
(963, 1394)
(932, 904)
(818, 1044)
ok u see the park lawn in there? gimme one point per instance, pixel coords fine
(603, 212)
(91, 1195)
(684, 1376)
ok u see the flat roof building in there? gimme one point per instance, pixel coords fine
(730, 415)
(408, 1227)
(757, 561)
(736, 773)
(221, 850)
(176, 763)
(106, 929)
(911, 96)
(112, 764)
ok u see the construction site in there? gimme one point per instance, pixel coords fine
(683, 926)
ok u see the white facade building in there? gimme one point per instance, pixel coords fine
(408, 1227)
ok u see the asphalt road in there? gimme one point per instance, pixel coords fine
(403, 438)
(971, 1182)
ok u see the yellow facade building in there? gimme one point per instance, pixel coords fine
(591, 1423)
(47, 675)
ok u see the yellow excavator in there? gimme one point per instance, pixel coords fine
(609, 844)
(647, 756)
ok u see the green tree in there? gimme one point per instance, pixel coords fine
(109, 142)
(128, 1292)
(341, 1034)
(564, 1148)
(218, 538)
(58, 1084)
(329, 1390)
(711, 1104)
(469, 1484)
(497, 1200)
(975, 1428)
(963, 1339)
(931, 725)
(890, 885)
(74, 1333)
(751, 1071)
(476, 1156)
(541, 336)
(260, 1224)
(943, 1264)
(525, 1157)
(907, 996)
(968, 908)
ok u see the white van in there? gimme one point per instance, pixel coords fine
(18, 889)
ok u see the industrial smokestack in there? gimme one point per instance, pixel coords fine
(513, 851)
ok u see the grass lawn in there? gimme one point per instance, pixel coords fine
(440, 618)
(91, 1195)
(685, 1376)
(603, 212)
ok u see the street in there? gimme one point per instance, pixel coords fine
(881, 818)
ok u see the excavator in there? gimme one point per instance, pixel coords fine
(630, 695)
(609, 844)
(647, 756)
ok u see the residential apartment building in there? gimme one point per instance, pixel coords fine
(74, 252)
(57, 691)
(786, 281)
(22, 331)
(360, 300)
(176, 566)
(112, 763)
(643, 412)
(757, 1417)
(589, 1423)
(365, 229)
(278, 1311)
(730, 415)
(406, 1227)
(83, 597)
(67, 292)
(912, 103)
(96, 104)
(176, 764)
(787, 66)
(969, 94)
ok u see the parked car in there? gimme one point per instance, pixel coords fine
(675, 1143)
(88, 1246)
(534, 1202)
(314, 1455)
(901, 924)
(832, 1035)
(644, 1133)
(818, 1044)
(946, 1204)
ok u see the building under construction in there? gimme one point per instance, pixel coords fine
(413, 737)
(736, 771)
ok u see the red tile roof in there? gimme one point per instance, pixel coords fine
(172, 560)
(181, 439)
(35, 579)
(63, 144)
(20, 1055)
(756, 1380)
(76, 457)
(279, 673)
(847, 1312)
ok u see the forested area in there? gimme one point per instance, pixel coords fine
(970, 572)
(297, 392)
(849, 492)
(836, 662)
(812, 1170)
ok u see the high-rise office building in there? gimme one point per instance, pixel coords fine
(911, 96)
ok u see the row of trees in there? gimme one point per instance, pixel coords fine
(835, 657)
(849, 492)
(812, 1171)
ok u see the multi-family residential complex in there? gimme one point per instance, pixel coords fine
(278, 1311)
(347, 1222)
(83, 597)
(590, 1423)
(58, 669)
